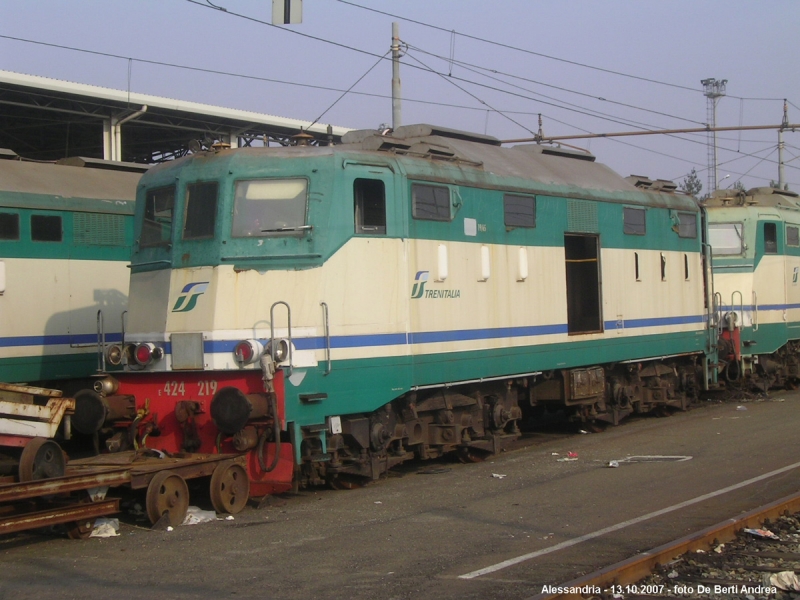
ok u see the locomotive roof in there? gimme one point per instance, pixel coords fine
(436, 153)
(756, 197)
(65, 187)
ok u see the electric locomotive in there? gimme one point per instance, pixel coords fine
(66, 231)
(755, 240)
(335, 310)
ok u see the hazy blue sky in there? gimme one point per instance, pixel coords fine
(659, 51)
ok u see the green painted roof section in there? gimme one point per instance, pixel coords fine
(47, 186)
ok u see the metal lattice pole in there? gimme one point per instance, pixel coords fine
(713, 89)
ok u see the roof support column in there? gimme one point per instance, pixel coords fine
(108, 141)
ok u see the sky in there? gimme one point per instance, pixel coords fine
(587, 66)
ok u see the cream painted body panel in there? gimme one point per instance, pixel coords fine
(769, 282)
(60, 298)
(368, 283)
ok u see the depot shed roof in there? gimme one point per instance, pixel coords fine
(48, 119)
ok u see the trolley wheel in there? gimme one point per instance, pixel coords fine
(41, 459)
(230, 488)
(167, 494)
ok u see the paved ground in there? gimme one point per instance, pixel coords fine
(418, 535)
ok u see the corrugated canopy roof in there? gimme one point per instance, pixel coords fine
(49, 119)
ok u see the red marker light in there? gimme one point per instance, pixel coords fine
(243, 352)
(143, 353)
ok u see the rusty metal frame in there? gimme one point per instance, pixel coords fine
(58, 516)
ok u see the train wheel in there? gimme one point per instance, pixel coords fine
(230, 488)
(41, 459)
(167, 494)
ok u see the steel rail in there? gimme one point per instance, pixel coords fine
(636, 568)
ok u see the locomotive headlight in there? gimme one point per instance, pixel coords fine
(248, 351)
(279, 349)
(114, 355)
(146, 353)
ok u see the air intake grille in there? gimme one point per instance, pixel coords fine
(582, 216)
(98, 229)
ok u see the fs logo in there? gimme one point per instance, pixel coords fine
(189, 295)
(419, 284)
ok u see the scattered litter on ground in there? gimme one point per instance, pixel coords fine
(572, 454)
(170, 528)
(613, 464)
(785, 580)
(654, 458)
(741, 407)
(554, 454)
(195, 516)
(567, 459)
(105, 528)
(378, 502)
(719, 549)
(498, 475)
(583, 432)
(762, 533)
(672, 574)
(229, 518)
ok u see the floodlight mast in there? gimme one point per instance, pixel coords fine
(713, 89)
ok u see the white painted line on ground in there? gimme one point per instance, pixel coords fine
(590, 536)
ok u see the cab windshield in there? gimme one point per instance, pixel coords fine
(265, 207)
(725, 238)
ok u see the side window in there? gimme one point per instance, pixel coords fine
(9, 226)
(369, 198)
(792, 236)
(770, 238)
(157, 225)
(519, 211)
(687, 225)
(633, 222)
(430, 202)
(46, 228)
(201, 210)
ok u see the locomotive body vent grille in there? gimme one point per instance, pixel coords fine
(582, 216)
(98, 229)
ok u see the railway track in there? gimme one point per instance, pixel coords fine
(750, 557)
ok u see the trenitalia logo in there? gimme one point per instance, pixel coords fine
(419, 291)
(419, 284)
(189, 295)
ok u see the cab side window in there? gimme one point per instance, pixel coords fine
(369, 197)
(770, 238)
